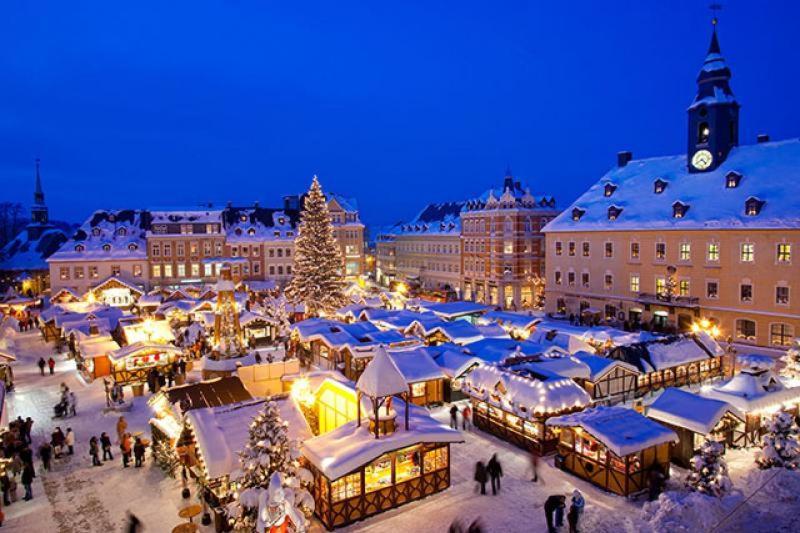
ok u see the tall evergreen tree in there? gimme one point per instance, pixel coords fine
(781, 447)
(317, 278)
(709, 473)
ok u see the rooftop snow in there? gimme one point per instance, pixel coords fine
(416, 365)
(687, 410)
(382, 377)
(768, 170)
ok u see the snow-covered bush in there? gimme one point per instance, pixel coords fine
(780, 446)
(709, 473)
(791, 361)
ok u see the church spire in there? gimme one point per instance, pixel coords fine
(38, 193)
(39, 214)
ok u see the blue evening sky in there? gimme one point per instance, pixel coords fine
(133, 104)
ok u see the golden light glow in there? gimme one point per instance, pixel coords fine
(90, 297)
(301, 392)
(705, 325)
(401, 288)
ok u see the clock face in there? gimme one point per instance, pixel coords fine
(702, 159)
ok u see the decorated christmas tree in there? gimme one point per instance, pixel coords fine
(275, 308)
(268, 452)
(317, 278)
(791, 361)
(780, 446)
(709, 473)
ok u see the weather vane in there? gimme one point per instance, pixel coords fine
(715, 8)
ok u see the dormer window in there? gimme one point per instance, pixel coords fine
(614, 212)
(238, 231)
(122, 232)
(577, 213)
(609, 189)
(133, 247)
(276, 233)
(96, 232)
(732, 179)
(112, 218)
(659, 185)
(243, 218)
(251, 231)
(752, 206)
(679, 210)
(281, 221)
(106, 247)
(79, 248)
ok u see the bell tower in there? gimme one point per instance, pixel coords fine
(39, 209)
(714, 113)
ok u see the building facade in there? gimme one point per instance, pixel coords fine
(672, 242)
(349, 232)
(502, 246)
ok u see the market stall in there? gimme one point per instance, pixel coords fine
(614, 448)
(131, 364)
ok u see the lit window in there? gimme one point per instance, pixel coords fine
(585, 249)
(207, 270)
(571, 248)
(746, 292)
(614, 212)
(577, 213)
(559, 248)
(557, 277)
(753, 206)
(609, 249)
(683, 287)
(181, 270)
(195, 270)
(418, 389)
(659, 185)
(782, 295)
(685, 251)
(679, 210)
(712, 252)
(745, 329)
(609, 189)
(747, 253)
(732, 179)
(661, 286)
(634, 283)
(168, 271)
(661, 250)
(508, 247)
(634, 250)
(137, 271)
(585, 279)
(712, 290)
(156, 271)
(609, 281)
(784, 252)
(781, 334)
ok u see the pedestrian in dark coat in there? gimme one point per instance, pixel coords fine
(42, 363)
(27, 480)
(5, 486)
(182, 366)
(454, 417)
(125, 446)
(551, 506)
(495, 472)
(28, 428)
(480, 476)
(134, 524)
(51, 363)
(138, 453)
(105, 442)
(656, 480)
(94, 451)
(45, 453)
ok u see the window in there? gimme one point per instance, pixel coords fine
(746, 292)
(661, 286)
(418, 389)
(186, 229)
(557, 277)
(609, 281)
(137, 271)
(703, 133)
(288, 270)
(106, 247)
(378, 474)
(167, 271)
(781, 334)
(577, 213)
(78, 272)
(732, 179)
(712, 252)
(679, 210)
(571, 248)
(207, 271)
(609, 189)
(206, 248)
(712, 290)
(115, 270)
(753, 206)
(585, 279)
(585, 249)
(747, 252)
(193, 248)
(181, 270)
(683, 287)
(257, 268)
(280, 270)
(559, 249)
(685, 251)
(782, 295)
(634, 250)
(93, 272)
(784, 252)
(435, 459)
(571, 279)
(271, 270)
(346, 487)
(195, 270)
(272, 252)
(407, 464)
(661, 250)
(168, 249)
(614, 212)
(133, 247)
(634, 282)
(508, 247)
(745, 329)
(659, 185)
(609, 252)
(156, 271)
(155, 251)
(63, 273)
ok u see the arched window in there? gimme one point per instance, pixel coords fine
(745, 329)
(96, 232)
(781, 334)
(133, 247)
(122, 232)
(79, 247)
(508, 226)
(106, 247)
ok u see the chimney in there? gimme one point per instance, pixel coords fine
(623, 158)
(255, 204)
(762, 138)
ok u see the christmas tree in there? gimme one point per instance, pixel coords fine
(275, 308)
(780, 445)
(791, 361)
(317, 278)
(709, 473)
(268, 452)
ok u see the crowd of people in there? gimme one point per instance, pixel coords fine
(18, 454)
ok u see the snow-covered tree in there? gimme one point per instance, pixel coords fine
(791, 361)
(317, 278)
(275, 308)
(780, 446)
(268, 452)
(709, 473)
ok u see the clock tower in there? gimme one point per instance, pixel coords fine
(714, 113)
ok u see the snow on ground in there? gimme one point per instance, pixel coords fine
(76, 497)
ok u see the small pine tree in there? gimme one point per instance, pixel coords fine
(317, 280)
(780, 446)
(166, 458)
(709, 473)
(268, 451)
(791, 361)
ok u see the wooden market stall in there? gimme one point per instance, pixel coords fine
(92, 356)
(262, 329)
(116, 291)
(131, 364)
(424, 377)
(515, 408)
(694, 419)
(614, 448)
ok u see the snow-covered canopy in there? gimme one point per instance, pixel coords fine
(454, 363)
(498, 350)
(527, 398)
(564, 340)
(452, 310)
(97, 346)
(600, 366)
(416, 365)
(754, 390)
(135, 348)
(458, 331)
(513, 320)
(349, 446)
(621, 430)
(687, 410)
(669, 352)
(381, 377)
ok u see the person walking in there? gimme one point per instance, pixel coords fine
(466, 418)
(42, 363)
(5, 486)
(495, 472)
(138, 453)
(454, 416)
(69, 440)
(57, 441)
(105, 442)
(51, 363)
(45, 454)
(551, 505)
(73, 403)
(28, 428)
(125, 447)
(655, 478)
(27, 480)
(182, 366)
(94, 451)
(535, 466)
(480, 476)
(122, 426)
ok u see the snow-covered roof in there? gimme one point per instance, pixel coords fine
(498, 350)
(186, 216)
(754, 390)
(767, 171)
(333, 333)
(25, 253)
(416, 365)
(208, 393)
(434, 219)
(107, 235)
(222, 432)
(563, 339)
(525, 397)
(668, 352)
(621, 430)
(450, 310)
(600, 366)
(151, 300)
(687, 410)
(511, 319)
(121, 280)
(258, 224)
(453, 362)
(132, 349)
(349, 447)
(457, 331)
(382, 377)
